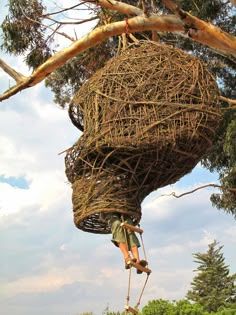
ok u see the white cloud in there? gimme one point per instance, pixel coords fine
(53, 279)
(45, 191)
(181, 247)
(14, 160)
(232, 233)
(12, 199)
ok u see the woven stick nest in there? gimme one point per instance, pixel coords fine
(148, 118)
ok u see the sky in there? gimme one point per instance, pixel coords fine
(50, 267)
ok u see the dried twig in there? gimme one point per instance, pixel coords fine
(47, 26)
(233, 190)
(64, 10)
(74, 22)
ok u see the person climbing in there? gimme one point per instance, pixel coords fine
(126, 240)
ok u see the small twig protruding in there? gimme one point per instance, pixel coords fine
(233, 190)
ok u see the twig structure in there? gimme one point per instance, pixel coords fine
(147, 118)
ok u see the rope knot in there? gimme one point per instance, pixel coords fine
(127, 31)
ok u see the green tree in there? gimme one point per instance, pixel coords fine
(158, 307)
(184, 307)
(24, 33)
(29, 29)
(212, 287)
(181, 307)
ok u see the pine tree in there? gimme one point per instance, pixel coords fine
(212, 287)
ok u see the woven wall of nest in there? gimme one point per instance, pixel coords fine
(148, 118)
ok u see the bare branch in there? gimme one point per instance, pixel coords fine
(74, 22)
(64, 10)
(228, 100)
(196, 6)
(18, 77)
(118, 6)
(47, 26)
(233, 190)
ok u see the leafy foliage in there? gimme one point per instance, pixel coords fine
(158, 307)
(212, 287)
(222, 158)
(23, 32)
(182, 307)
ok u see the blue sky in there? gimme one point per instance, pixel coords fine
(47, 265)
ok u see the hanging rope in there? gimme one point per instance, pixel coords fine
(129, 309)
(141, 295)
(128, 292)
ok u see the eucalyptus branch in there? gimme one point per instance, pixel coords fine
(47, 26)
(233, 190)
(228, 100)
(118, 6)
(74, 22)
(52, 34)
(66, 9)
(196, 6)
(92, 39)
(203, 32)
(18, 77)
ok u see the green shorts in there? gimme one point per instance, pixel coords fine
(119, 234)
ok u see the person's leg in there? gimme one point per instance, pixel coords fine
(133, 241)
(135, 253)
(134, 244)
(118, 237)
(124, 249)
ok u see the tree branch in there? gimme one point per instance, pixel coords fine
(233, 190)
(200, 31)
(64, 10)
(137, 24)
(203, 32)
(228, 100)
(72, 23)
(18, 77)
(47, 26)
(118, 6)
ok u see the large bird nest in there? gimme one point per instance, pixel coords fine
(148, 117)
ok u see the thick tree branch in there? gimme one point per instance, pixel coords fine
(200, 31)
(203, 32)
(233, 190)
(18, 77)
(118, 6)
(137, 24)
